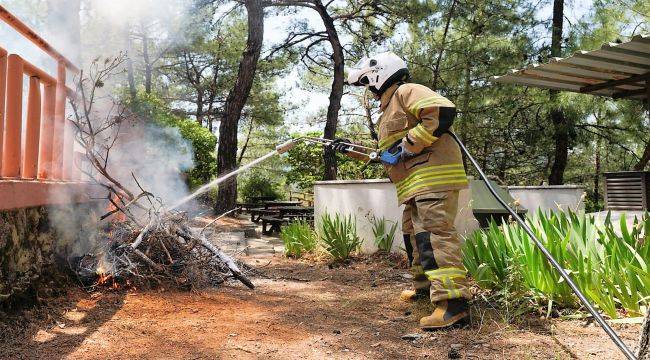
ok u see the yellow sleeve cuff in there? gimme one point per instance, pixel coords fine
(422, 135)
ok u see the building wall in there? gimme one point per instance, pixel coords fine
(376, 197)
(549, 198)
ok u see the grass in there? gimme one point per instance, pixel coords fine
(610, 267)
(298, 237)
(338, 235)
(384, 233)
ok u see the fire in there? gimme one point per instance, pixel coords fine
(103, 278)
(119, 215)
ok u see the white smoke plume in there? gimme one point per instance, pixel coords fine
(84, 30)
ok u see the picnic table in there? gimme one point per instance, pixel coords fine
(277, 203)
(258, 213)
(287, 211)
(284, 215)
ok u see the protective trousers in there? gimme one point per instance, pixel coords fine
(436, 260)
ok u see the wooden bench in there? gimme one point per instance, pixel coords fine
(246, 207)
(272, 225)
(258, 213)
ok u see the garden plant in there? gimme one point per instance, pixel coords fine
(609, 263)
(383, 231)
(338, 235)
(298, 238)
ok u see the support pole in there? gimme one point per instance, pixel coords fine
(29, 167)
(11, 151)
(59, 124)
(47, 132)
(3, 83)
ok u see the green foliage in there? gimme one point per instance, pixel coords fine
(338, 235)
(258, 184)
(298, 238)
(610, 267)
(384, 233)
(202, 140)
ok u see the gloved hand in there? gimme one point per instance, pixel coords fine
(341, 145)
(407, 149)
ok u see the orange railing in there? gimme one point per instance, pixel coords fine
(39, 146)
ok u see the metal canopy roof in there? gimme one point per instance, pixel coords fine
(615, 70)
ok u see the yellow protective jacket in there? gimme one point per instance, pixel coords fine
(423, 117)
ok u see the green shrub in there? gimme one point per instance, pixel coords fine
(339, 235)
(258, 185)
(610, 268)
(298, 238)
(384, 233)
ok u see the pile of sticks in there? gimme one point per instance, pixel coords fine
(167, 252)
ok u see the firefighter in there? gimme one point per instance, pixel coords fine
(428, 179)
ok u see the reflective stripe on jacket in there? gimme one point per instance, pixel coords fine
(422, 116)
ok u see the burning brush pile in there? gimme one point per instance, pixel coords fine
(142, 242)
(165, 253)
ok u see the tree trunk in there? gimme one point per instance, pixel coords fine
(199, 107)
(227, 149)
(645, 158)
(130, 72)
(248, 138)
(643, 162)
(558, 118)
(329, 156)
(561, 154)
(597, 171)
(148, 68)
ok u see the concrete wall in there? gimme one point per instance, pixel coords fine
(36, 242)
(549, 198)
(378, 197)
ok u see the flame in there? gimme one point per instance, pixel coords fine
(118, 216)
(103, 278)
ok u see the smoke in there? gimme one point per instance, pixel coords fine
(156, 157)
(85, 30)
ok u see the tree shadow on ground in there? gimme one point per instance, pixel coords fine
(58, 326)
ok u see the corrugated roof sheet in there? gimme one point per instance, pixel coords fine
(615, 70)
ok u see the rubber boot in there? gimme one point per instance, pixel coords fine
(414, 295)
(447, 313)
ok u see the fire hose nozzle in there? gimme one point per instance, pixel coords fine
(286, 146)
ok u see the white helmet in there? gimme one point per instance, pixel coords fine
(378, 72)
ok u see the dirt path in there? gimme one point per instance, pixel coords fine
(300, 310)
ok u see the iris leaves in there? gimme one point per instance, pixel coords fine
(609, 263)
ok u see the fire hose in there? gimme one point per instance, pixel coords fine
(392, 156)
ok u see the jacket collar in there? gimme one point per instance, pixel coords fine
(387, 96)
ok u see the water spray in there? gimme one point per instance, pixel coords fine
(279, 150)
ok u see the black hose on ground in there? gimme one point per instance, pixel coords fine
(583, 299)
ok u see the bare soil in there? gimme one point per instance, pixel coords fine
(300, 310)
